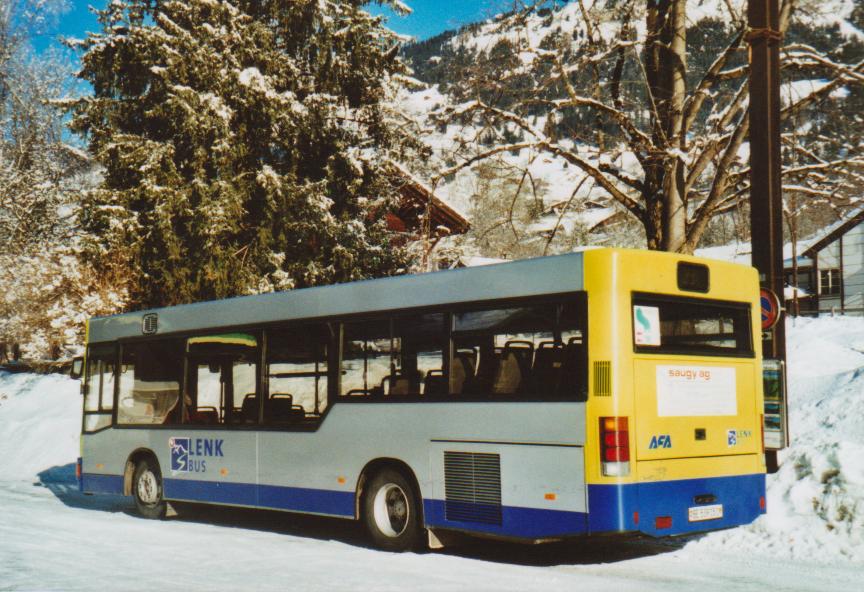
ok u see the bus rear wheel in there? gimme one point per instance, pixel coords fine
(147, 489)
(391, 512)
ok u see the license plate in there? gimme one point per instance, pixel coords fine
(700, 513)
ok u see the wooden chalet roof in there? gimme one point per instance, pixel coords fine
(417, 197)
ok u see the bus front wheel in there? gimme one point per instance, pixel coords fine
(391, 512)
(147, 489)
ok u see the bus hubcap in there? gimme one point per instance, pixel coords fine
(391, 510)
(148, 488)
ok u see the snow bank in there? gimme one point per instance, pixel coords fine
(40, 422)
(816, 500)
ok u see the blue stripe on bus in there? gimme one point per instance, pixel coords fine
(297, 499)
(612, 507)
(93, 483)
(515, 521)
(238, 494)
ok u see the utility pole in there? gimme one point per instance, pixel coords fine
(766, 201)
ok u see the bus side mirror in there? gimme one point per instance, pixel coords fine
(77, 368)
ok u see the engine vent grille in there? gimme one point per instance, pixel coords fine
(472, 487)
(602, 379)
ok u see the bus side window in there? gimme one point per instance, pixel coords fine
(297, 374)
(505, 339)
(93, 382)
(419, 364)
(150, 382)
(535, 351)
(222, 378)
(369, 358)
(99, 381)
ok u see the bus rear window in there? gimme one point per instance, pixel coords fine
(688, 326)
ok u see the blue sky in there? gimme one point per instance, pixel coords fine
(429, 18)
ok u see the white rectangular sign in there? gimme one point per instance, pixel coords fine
(646, 323)
(700, 513)
(684, 391)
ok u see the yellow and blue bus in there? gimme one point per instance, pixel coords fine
(605, 391)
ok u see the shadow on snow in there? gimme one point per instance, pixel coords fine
(61, 481)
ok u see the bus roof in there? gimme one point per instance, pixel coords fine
(530, 277)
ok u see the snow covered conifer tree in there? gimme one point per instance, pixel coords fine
(242, 143)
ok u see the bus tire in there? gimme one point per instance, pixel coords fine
(147, 489)
(391, 512)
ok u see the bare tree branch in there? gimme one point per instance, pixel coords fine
(694, 102)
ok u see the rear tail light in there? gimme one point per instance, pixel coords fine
(614, 446)
(663, 522)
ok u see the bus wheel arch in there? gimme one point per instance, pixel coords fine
(390, 479)
(132, 462)
(146, 484)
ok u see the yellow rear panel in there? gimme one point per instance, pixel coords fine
(648, 388)
(669, 425)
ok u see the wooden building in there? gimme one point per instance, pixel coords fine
(416, 200)
(831, 268)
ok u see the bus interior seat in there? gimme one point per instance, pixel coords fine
(401, 384)
(575, 368)
(462, 370)
(513, 367)
(204, 416)
(249, 410)
(435, 383)
(548, 367)
(481, 382)
(281, 409)
(358, 393)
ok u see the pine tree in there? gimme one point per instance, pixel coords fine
(242, 143)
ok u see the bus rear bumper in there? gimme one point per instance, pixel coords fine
(663, 508)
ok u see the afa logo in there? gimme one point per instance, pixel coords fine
(179, 454)
(661, 441)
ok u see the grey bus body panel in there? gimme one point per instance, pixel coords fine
(517, 279)
(318, 472)
(534, 489)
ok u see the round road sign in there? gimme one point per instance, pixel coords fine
(770, 305)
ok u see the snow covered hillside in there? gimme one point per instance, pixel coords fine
(52, 537)
(510, 140)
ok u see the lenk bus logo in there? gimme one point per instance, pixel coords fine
(732, 436)
(661, 441)
(189, 455)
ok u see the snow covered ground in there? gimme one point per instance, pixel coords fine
(53, 538)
